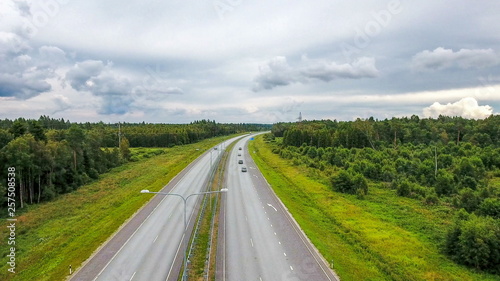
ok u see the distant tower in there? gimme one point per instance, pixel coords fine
(300, 117)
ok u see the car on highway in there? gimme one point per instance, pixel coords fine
(239, 154)
(240, 148)
(243, 169)
(240, 161)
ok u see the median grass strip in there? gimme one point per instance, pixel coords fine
(383, 237)
(206, 245)
(54, 235)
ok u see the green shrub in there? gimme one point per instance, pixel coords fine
(431, 199)
(349, 182)
(475, 242)
(490, 207)
(403, 188)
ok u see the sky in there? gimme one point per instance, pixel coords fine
(241, 61)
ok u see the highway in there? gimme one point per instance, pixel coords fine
(149, 246)
(258, 238)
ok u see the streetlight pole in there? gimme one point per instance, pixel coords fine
(184, 199)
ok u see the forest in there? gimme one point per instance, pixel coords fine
(55, 156)
(450, 161)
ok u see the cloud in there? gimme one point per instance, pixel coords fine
(81, 75)
(22, 85)
(327, 71)
(466, 108)
(24, 70)
(61, 103)
(11, 44)
(98, 78)
(21, 75)
(52, 56)
(277, 72)
(119, 93)
(23, 7)
(442, 58)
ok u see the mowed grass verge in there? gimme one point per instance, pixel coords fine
(382, 237)
(52, 236)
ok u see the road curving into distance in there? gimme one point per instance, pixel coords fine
(258, 238)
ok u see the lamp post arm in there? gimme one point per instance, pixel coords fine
(178, 195)
(184, 199)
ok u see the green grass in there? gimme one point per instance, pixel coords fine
(201, 248)
(51, 236)
(382, 237)
(140, 153)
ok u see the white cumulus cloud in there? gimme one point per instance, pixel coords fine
(466, 108)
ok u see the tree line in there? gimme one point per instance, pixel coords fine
(56, 156)
(448, 160)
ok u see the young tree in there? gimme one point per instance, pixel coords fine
(125, 149)
(75, 138)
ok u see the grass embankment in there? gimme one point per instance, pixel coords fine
(382, 237)
(52, 236)
(209, 226)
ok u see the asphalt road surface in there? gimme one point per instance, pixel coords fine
(149, 246)
(259, 240)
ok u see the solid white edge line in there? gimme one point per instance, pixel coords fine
(164, 197)
(137, 229)
(296, 226)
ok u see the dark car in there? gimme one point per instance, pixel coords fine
(240, 161)
(243, 169)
